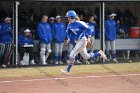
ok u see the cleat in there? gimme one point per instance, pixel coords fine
(130, 61)
(3, 66)
(78, 62)
(60, 62)
(68, 61)
(87, 62)
(103, 55)
(115, 60)
(92, 61)
(44, 63)
(21, 63)
(56, 63)
(64, 72)
(32, 62)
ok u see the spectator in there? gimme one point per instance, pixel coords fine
(25, 43)
(59, 35)
(110, 36)
(5, 34)
(45, 38)
(51, 22)
(6, 31)
(91, 23)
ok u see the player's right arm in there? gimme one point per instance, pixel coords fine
(68, 36)
(40, 33)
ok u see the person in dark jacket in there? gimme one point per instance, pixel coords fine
(45, 37)
(25, 43)
(110, 36)
(59, 35)
(6, 31)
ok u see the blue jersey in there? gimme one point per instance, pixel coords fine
(23, 39)
(5, 33)
(72, 38)
(92, 27)
(59, 32)
(78, 28)
(44, 32)
(110, 29)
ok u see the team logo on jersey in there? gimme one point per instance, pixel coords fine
(74, 29)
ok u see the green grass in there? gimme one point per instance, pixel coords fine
(76, 70)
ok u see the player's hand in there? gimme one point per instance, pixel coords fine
(76, 41)
(68, 41)
(89, 41)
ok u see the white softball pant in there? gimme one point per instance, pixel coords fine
(43, 48)
(80, 48)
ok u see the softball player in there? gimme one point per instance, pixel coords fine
(79, 28)
(45, 38)
(59, 35)
(110, 36)
(71, 44)
(6, 31)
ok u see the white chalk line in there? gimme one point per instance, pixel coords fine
(75, 77)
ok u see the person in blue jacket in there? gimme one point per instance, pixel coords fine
(59, 35)
(110, 36)
(25, 44)
(6, 31)
(51, 57)
(45, 37)
(92, 24)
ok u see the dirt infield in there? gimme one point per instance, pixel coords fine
(109, 83)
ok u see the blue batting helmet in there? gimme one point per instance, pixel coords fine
(71, 13)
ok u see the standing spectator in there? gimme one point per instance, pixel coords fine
(51, 22)
(5, 34)
(59, 35)
(91, 23)
(25, 43)
(110, 36)
(6, 31)
(45, 37)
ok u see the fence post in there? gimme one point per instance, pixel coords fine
(102, 28)
(15, 32)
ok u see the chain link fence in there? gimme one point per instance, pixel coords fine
(127, 43)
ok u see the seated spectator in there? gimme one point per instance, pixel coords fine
(25, 43)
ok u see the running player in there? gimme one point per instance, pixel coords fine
(79, 28)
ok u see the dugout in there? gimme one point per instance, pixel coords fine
(22, 10)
